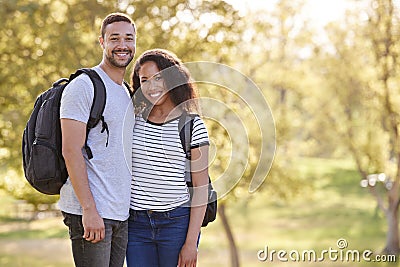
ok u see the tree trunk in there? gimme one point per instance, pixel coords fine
(228, 231)
(392, 217)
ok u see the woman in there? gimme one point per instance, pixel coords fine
(164, 225)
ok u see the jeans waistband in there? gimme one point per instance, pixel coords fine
(157, 213)
(148, 212)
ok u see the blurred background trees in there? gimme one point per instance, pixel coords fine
(332, 98)
(362, 76)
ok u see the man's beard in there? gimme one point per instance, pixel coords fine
(117, 64)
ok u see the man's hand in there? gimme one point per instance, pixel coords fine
(93, 225)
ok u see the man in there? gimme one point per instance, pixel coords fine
(95, 199)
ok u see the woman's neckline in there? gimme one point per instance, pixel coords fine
(161, 123)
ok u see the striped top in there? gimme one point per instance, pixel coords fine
(158, 164)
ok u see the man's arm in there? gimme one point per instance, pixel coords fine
(73, 140)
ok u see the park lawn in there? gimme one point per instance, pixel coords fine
(336, 208)
(27, 260)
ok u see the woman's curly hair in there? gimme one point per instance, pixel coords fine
(176, 77)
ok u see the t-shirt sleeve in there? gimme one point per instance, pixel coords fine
(77, 99)
(200, 134)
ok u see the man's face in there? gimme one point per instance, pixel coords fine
(119, 44)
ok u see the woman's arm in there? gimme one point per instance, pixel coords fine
(199, 170)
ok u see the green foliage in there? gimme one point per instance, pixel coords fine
(194, 30)
(337, 208)
(41, 42)
(21, 189)
(45, 40)
(361, 101)
(35, 233)
(314, 100)
(327, 100)
(274, 62)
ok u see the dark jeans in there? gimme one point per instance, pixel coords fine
(109, 252)
(156, 238)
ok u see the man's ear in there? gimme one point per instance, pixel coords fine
(101, 41)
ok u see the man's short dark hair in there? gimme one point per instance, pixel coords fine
(115, 17)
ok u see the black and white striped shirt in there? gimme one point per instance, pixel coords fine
(158, 164)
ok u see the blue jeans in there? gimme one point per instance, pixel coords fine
(156, 238)
(109, 252)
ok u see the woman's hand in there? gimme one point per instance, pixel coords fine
(188, 256)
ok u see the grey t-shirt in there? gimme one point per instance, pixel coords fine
(109, 173)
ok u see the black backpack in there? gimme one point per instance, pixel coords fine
(185, 127)
(43, 163)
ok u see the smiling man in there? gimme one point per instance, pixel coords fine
(95, 199)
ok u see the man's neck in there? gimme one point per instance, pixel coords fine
(115, 74)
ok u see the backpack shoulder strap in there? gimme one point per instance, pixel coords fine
(185, 127)
(129, 88)
(99, 100)
(99, 103)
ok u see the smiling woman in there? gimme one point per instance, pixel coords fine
(165, 220)
(152, 84)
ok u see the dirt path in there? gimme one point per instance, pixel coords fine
(55, 250)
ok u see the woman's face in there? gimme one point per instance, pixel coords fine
(152, 83)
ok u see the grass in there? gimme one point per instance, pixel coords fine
(337, 207)
(26, 231)
(18, 260)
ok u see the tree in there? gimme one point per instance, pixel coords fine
(362, 103)
(384, 43)
(268, 54)
(241, 132)
(42, 41)
(277, 66)
(46, 40)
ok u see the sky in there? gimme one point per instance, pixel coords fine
(319, 12)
